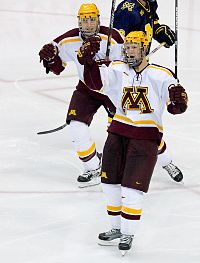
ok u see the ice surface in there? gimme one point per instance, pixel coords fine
(44, 217)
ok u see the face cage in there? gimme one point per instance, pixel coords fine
(88, 34)
(133, 62)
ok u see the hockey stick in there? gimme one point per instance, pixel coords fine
(53, 130)
(64, 125)
(155, 50)
(110, 29)
(176, 42)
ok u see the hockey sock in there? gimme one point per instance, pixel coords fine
(164, 155)
(84, 145)
(112, 194)
(131, 210)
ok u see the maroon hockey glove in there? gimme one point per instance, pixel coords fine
(178, 100)
(51, 61)
(48, 52)
(163, 33)
(88, 50)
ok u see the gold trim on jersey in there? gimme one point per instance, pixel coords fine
(106, 38)
(114, 208)
(147, 8)
(110, 119)
(123, 118)
(156, 22)
(160, 68)
(87, 152)
(69, 40)
(117, 62)
(162, 143)
(132, 211)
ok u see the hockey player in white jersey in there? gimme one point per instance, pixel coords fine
(141, 15)
(84, 102)
(66, 48)
(140, 92)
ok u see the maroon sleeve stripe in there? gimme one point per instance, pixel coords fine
(115, 34)
(71, 33)
(173, 74)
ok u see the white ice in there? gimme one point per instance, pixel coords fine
(44, 216)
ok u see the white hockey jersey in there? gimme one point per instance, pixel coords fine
(140, 98)
(69, 43)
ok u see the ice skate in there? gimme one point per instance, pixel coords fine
(91, 177)
(125, 243)
(109, 238)
(174, 172)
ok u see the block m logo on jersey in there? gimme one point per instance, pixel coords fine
(135, 98)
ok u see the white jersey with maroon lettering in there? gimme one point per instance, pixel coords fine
(140, 98)
(69, 43)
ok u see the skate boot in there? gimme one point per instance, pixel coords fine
(109, 238)
(174, 172)
(91, 177)
(125, 243)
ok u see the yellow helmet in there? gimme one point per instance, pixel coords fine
(137, 37)
(88, 10)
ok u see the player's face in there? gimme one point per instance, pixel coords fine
(88, 25)
(134, 54)
(132, 49)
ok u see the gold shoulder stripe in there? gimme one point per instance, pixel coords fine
(70, 40)
(117, 62)
(106, 38)
(160, 68)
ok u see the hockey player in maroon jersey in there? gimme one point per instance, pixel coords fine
(141, 15)
(84, 102)
(140, 92)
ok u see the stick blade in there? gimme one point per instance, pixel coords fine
(53, 130)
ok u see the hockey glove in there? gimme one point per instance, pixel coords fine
(51, 61)
(163, 33)
(48, 52)
(88, 50)
(178, 100)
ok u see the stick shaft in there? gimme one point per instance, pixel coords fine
(176, 42)
(155, 50)
(110, 29)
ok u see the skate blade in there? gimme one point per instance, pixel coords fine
(109, 243)
(90, 183)
(180, 183)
